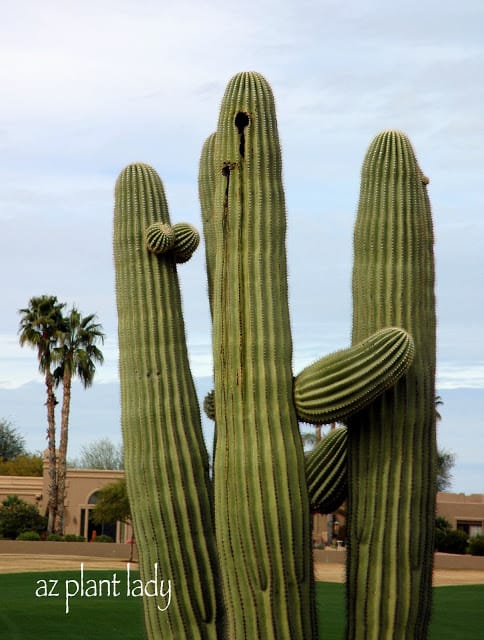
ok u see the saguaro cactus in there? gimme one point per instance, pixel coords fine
(261, 502)
(262, 550)
(261, 497)
(391, 443)
(165, 457)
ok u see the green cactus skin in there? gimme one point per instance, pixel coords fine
(206, 193)
(338, 385)
(391, 444)
(326, 472)
(165, 456)
(261, 504)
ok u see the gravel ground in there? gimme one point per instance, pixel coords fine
(325, 572)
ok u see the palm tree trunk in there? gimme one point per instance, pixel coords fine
(52, 488)
(62, 459)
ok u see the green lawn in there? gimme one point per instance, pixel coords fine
(458, 611)
(25, 616)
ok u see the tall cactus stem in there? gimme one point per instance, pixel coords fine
(206, 193)
(261, 502)
(391, 444)
(165, 458)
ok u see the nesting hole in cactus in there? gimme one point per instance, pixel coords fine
(241, 121)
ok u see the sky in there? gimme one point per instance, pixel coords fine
(89, 87)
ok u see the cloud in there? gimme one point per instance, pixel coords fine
(460, 375)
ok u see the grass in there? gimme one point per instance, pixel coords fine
(458, 611)
(24, 616)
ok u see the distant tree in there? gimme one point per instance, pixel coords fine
(39, 328)
(16, 516)
(309, 440)
(113, 505)
(438, 403)
(445, 459)
(27, 464)
(445, 462)
(100, 454)
(77, 354)
(12, 443)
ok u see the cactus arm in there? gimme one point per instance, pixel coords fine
(336, 386)
(261, 502)
(165, 458)
(391, 443)
(326, 472)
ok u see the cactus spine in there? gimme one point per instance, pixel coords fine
(391, 444)
(261, 502)
(165, 457)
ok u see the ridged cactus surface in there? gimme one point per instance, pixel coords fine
(338, 385)
(206, 193)
(327, 472)
(391, 444)
(261, 501)
(165, 458)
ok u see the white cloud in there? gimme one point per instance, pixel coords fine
(460, 375)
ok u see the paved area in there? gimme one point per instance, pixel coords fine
(332, 572)
(324, 572)
(11, 563)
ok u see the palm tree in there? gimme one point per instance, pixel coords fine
(39, 329)
(76, 355)
(438, 403)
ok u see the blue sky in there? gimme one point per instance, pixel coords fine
(90, 87)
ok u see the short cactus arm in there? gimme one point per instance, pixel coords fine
(165, 458)
(338, 385)
(326, 472)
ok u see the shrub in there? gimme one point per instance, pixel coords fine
(103, 538)
(29, 535)
(451, 541)
(71, 537)
(476, 545)
(55, 537)
(442, 524)
(16, 516)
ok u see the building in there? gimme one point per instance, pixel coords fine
(82, 486)
(463, 511)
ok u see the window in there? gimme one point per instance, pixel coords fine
(471, 527)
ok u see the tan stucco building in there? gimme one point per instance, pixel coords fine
(82, 486)
(463, 511)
